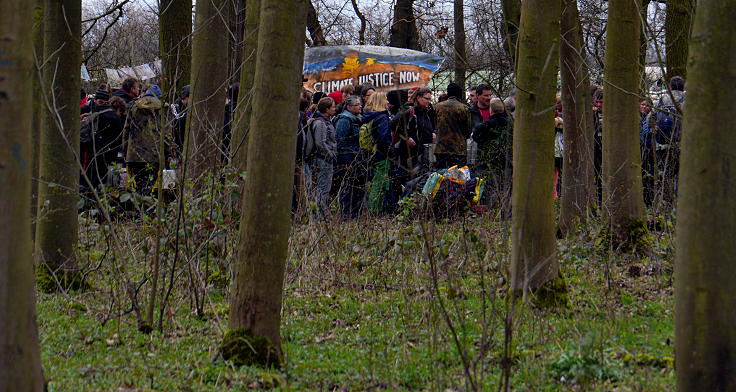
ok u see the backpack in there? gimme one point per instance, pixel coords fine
(88, 125)
(669, 124)
(305, 141)
(367, 140)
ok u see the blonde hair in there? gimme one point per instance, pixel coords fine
(376, 102)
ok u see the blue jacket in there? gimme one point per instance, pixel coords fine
(347, 131)
(382, 135)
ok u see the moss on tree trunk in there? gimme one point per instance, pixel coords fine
(533, 250)
(705, 256)
(20, 363)
(264, 227)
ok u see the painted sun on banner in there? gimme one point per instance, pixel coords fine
(330, 68)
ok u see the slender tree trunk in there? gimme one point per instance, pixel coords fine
(264, 228)
(38, 107)
(511, 18)
(578, 190)
(57, 226)
(461, 63)
(363, 23)
(175, 29)
(315, 29)
(622, 189)
(404, 32)
(20, 359)
(677, 35)
(705, 258)
(209, 79)
(643, 43)
(533, 251)
(241, 122)
(237, 29)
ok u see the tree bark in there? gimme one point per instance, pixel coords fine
(677, 26)
(20, 359)
(209, 79)
(622, 188)
(512, 18)
(241, 122)
(315, 29)
(533, 251)
(38, 106)
(264, 227)
(460, 51)
(404, 32)
(175, 29)
(237, 29)
(578, 190)
(705, 257)
(57, 226)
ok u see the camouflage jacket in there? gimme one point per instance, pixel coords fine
(142, 130)
(454, 126)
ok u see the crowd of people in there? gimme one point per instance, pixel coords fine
(363, 148)
(370, 147)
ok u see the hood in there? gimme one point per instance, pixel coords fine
(148, 102)
(349, 116)
(369, 115)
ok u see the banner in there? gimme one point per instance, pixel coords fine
(329, 68)
(140, 72)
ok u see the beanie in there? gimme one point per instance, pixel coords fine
(317, 96)
(336, 96)
(454, 90)
(154, 91)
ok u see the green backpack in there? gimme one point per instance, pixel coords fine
(367, 141)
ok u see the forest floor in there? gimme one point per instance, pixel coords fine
(375, 304)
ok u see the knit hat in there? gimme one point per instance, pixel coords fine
(336, 96)
(185, 92)
(102, 94)
(317, 96)
(154, 91)
(454, 90)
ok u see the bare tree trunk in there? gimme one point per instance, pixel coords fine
(256, 299)
(622, 188)
(38, 107)
(209, 79)
(241, 122)
(315, 29)
(237, 29)
(533, 253)
(57, 226)
(361, 17)
(175, 29)
(677, 35)
(705, 258)
(578, 190)
(460, 52)
(20, 359)
(404, 32)
(512, 17)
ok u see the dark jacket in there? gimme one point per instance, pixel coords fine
(325, 145)
(414, 123)
(122, 94)
(102, 151)
(347, 134)
(453, 127)
(381, 133)
(475, 115)
(494, 138)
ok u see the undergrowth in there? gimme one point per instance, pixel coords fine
(373, 304)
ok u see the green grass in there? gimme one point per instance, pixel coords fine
(360, 313)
